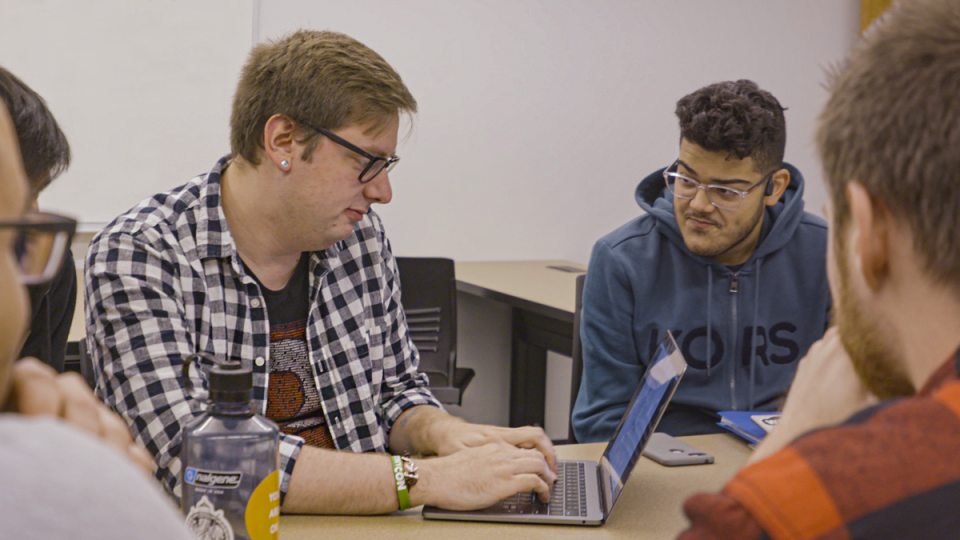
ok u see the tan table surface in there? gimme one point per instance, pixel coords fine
(531, 281)
(650, 506)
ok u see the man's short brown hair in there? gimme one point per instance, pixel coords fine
(893, 123)
(324, 79)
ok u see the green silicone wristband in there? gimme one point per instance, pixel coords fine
(403, 494)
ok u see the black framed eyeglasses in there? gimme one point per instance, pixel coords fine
(375, 164)
(723, 197)
(39, 245)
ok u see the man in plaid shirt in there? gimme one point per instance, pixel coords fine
(840, 464)
(275, 258)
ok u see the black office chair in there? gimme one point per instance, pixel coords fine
(576, 355)
(429, 292)
(76, 359)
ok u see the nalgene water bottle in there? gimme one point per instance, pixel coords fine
(230, 478)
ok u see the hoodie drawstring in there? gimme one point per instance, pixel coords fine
(753, 355)
(709, 318)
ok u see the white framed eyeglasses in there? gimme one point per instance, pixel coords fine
(41, 240)
(723, 197)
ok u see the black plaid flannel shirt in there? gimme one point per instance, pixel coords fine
(164, 281)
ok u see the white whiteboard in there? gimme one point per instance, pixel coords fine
(538, 117)
(142, 90)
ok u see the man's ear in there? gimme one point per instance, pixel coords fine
(775, 187)
(279, 143)
(871, 238)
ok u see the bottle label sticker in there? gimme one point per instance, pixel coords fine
(208, 523)
(262, 517)
(212, 479)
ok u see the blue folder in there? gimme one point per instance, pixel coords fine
(741, 423)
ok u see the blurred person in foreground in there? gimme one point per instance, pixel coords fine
(867, 444)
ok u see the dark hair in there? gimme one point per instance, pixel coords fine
(326, 79)
(43, 145)
(738, 118)
(892, 123)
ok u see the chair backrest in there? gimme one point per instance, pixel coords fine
(576, 352)
(429, 293)
(76, 359)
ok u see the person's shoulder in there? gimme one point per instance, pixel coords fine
(901, 427)
(57, 445)
(25, 434)
(638, 231)
(158, 213)
(922, 413)
(91, 488)
(812, 224)
(808, 238)
(893, 426)
(867, 465)
(159, 220)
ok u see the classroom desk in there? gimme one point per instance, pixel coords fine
(649, 507)
(542, 295)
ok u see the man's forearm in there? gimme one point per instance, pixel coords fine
(339, 482)
(333, 482)
(415, 431)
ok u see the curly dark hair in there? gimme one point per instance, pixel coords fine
(736, 117)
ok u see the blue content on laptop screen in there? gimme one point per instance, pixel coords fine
(623, 448)
(640, 419)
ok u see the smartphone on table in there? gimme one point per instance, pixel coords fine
(670, 451)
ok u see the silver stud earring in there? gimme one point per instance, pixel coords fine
(284, 164)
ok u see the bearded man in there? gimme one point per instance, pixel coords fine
(867, 444)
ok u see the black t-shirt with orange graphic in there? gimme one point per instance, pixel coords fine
(293, 401)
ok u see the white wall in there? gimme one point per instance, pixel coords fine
(142, 90)
(538, 117)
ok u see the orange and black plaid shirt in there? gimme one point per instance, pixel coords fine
(891, 471)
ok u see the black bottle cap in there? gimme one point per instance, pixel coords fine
(230, 382)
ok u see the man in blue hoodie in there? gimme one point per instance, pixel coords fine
(724, 250)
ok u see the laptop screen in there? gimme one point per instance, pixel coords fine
(640, 419)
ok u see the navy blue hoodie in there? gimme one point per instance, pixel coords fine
(762, 315)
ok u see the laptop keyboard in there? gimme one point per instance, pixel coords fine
(568, 498)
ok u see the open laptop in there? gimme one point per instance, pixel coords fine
(586, 491)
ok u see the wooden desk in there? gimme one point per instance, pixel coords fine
(542, 295)
(650, 506)
(537, 286)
